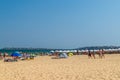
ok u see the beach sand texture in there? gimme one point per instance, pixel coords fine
(73, 68)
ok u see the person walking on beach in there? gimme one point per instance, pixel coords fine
(0, 55)
(103, 53)
(93, 54)
(100, 53)
(89, 54)
(4, 55)
(86, 52)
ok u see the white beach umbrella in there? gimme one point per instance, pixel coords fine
(79, 51)
(67, 51)
(56, 50)
(82, 50)
(52, 51)
(60, 51)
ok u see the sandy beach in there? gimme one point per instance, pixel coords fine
(73, 68)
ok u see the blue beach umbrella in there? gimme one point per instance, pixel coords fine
(16, 54)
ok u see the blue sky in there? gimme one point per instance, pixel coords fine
(59, 23)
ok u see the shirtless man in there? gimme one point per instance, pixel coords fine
(93, 54)
(89, 54)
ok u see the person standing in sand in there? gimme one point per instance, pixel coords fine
(4, 56)
(86, 52)
(89, 54)
(103, 53)
(0, 55)
(99, 53)
(93, 54)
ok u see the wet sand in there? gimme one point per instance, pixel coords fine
(73, 68)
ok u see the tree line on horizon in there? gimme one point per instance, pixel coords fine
(98, 47)
(81, 48)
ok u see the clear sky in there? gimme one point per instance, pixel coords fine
(59, 23)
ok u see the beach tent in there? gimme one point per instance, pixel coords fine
(16, 54)
(70, 54)
(63, 55)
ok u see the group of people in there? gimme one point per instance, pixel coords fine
(27, 56)
(14, 56)
(3, 55)
(91, 54)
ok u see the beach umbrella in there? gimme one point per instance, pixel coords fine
(56, 50)
(16, 54)
(68, 51)
(79, 50)
(64, 51)
(60, 51)
(52, 51)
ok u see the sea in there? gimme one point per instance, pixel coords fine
(25, 50)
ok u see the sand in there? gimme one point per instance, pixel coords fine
(73, 68)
